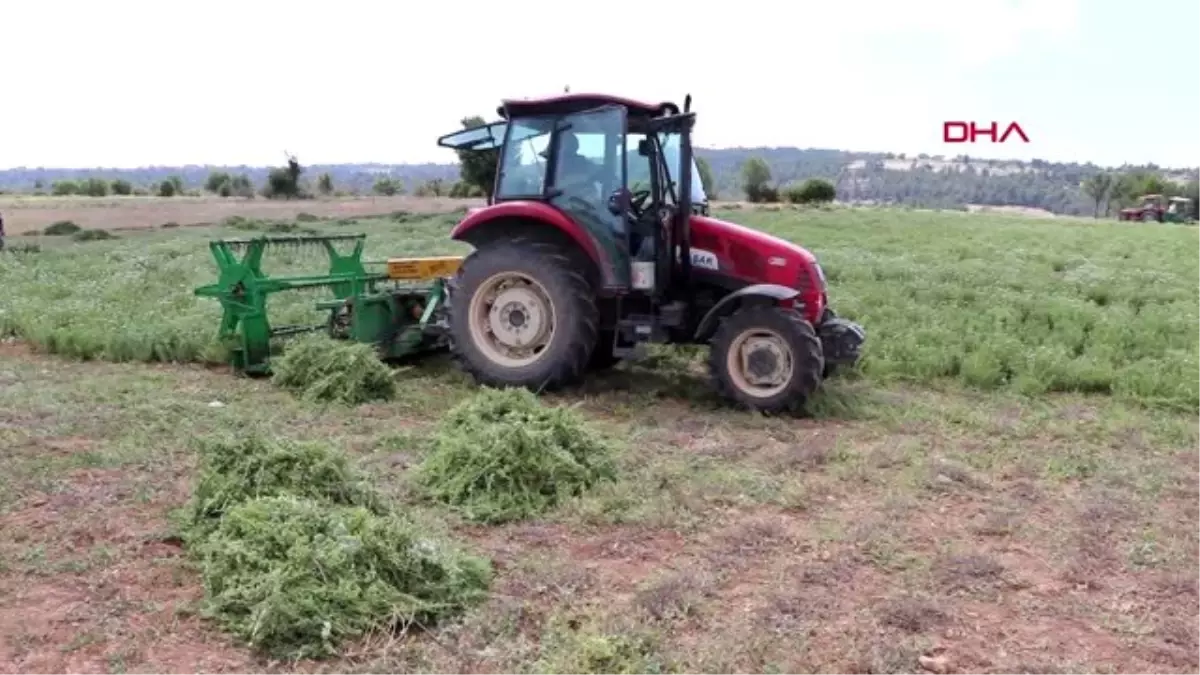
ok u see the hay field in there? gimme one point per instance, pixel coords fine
(1009, 483)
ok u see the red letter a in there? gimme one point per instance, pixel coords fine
(1017, 128)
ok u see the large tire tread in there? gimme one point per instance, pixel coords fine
(807, 355)
(557, 270)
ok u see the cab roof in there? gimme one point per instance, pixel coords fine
(564, 104)
(491, 136)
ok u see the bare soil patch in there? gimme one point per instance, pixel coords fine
(901, 540)
(30, 215)
(97, 585)
(1023, 211)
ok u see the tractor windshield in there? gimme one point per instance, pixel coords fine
(523, 165)
(670, 145)
(639, 166)
(586, 167)
(589, 159)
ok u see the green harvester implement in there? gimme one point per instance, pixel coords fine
(396, 308)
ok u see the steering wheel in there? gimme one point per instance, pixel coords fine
(637, 200)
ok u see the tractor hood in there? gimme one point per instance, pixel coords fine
(738, 244)
(753, 257)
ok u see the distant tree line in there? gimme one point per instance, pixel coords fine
(754, 174)
(283, 182)
(768, 174)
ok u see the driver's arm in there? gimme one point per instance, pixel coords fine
(578, 172)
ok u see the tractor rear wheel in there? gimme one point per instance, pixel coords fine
(522, 315)
(767, 359)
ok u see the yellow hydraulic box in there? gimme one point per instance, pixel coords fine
(422, 269)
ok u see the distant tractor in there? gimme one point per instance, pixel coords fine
(1156, 208)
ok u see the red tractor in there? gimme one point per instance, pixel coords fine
(597, 239)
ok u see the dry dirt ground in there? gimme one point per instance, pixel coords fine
(897, 530)
(25, 214)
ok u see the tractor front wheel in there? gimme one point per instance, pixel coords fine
(767, 359)
(522, 315)
(830, 368)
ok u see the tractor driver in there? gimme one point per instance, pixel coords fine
(573, 171)
(582, 179)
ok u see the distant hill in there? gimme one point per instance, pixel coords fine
(926, 181)
(920, 181)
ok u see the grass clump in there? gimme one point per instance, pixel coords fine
(22, 248)
(591, 649)
(298, 553)
(319, 368)
(61, 228)
(501, 456)
(296, 578)
(241, 223)
(93, 235)
(238, 469)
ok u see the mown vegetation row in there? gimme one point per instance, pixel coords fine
(991, 301)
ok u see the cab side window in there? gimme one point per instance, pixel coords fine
(523, 168)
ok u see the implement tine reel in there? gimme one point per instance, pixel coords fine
(401, 319)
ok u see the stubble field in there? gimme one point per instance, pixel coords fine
(27, 214)
(1009, 483)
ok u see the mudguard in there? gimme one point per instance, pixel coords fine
(727, 304)
(479, 220)
(527, 210)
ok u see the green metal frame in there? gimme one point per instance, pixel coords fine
(394, 319)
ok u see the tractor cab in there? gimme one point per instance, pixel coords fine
(1154, 202)
(612, 165)
(1179, 209)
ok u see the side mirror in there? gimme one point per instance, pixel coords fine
(619, 202)
(644, 147)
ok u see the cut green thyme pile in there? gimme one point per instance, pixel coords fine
(298, 553)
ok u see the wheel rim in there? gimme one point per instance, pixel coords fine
(512, 319)
(760, 363)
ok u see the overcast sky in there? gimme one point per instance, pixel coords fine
(124, 83)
